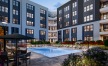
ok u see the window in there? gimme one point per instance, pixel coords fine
(85, 19)
(73, 30)
(91, 6)
(73, 39)
(67, 7)
(32, 7)
(16, 12)
(16, 3)
(13, 11)
(84, 9)
(42, 18)
(88, 28)
(27, 14)
(2, 9)
(42, 32)
(67, 23)
(88, 8)
(88, 18)
(42, 11)
(60, 11)
(60, 18)
(15, 21)
(28, 6)
(75, 4)
(74, 22)
(6, 1)
(88, 38)
(13, 2)
(6, 9)
(30, 23)
(31, 15)
(67, 31)
(75, 12)
(30, 31)
(105, 16)
(67, 16)
(91, 17)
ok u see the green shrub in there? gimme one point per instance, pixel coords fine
(57, 42)
(106, 42)
(32, 42)
(99, 41)
(92, 57)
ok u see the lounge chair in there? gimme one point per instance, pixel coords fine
(26, 57)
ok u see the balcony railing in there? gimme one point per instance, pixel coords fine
(103, 30)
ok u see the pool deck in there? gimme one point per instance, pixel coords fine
(40, 60)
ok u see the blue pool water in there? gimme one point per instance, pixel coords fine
(52, 51)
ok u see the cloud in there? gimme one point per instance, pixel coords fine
(58, 4)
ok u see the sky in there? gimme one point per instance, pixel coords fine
(52, 5)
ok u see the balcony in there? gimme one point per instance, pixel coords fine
(104, 32)
(103, 0)
(52, 37)
(52, 24)
(104, 10)
(103, 21)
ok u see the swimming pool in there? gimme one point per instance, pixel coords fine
(52, 51)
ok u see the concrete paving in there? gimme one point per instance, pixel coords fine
(40, 60)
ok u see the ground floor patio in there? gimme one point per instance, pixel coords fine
(40, 60)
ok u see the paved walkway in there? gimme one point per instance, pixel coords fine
(40, 60)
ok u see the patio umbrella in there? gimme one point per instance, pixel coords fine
(15, 37)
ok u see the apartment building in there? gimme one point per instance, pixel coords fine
(24, 17)
(82, 20)
(52, 27)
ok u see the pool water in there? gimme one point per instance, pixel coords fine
(52, 51)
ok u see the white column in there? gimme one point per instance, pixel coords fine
(70, 34)
(79, 32)
(62, 35)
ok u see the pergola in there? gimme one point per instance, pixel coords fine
(15, 37)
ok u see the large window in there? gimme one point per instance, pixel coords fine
(42, 18)
(88, 38)
(67, 16)
(66, 8)
(74, 22)
(74, 30)
(30, 31)
(14, 30)
(88, 8)
(67, 31)
(15, 3)
(15, 12)
(88, 28)
(30, 15)
(30, 7)
(42, 32)
(74, 4)
(60, 11)
(88, 18)
(104, 16)
(67, 24)
(42, 11)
